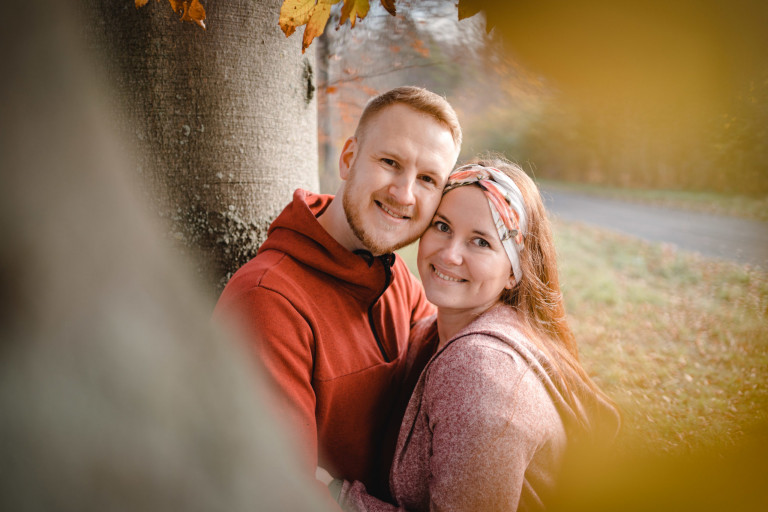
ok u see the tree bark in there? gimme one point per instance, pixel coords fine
(224, 120)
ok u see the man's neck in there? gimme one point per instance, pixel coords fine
(334, 221)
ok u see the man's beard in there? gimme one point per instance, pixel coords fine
(374, 246)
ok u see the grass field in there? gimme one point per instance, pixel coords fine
(679, 341)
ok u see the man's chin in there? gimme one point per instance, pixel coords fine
(378, 245)
(379, 249)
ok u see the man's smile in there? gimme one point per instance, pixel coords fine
(390, 211)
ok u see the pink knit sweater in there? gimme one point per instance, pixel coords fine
(486, 427)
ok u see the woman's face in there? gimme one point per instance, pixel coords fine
(462, 264)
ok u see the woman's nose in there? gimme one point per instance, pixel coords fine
(451, 254)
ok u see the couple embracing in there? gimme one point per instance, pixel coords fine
(461, 394)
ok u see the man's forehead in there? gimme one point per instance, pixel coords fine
(398, 110)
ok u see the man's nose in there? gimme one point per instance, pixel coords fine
(402, 190)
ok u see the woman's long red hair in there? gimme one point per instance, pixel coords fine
(537, 297)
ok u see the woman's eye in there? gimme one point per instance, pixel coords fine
(481, 242)
(389, 162)
(442, 226)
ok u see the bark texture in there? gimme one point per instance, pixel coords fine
(224, 119)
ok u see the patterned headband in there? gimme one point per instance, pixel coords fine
(507, 206)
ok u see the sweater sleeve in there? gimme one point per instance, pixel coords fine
(355, 498)
(282, 343)
(482, 408)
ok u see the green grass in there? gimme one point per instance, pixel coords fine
(735, 206)
(678, 341)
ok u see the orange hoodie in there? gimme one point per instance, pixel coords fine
(330, 328)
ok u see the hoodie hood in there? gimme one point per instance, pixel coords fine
(297, 233)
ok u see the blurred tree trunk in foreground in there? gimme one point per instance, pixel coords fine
(116, 393)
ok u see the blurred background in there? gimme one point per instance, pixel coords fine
(640, 95)
(639, 103)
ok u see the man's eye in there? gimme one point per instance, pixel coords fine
(389, 162)
(428, 179)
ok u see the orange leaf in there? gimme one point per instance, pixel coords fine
(295, 13)
(331, 89)
(389, 5)
(190, 10)
(193, 11)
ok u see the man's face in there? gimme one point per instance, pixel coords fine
(395, 177)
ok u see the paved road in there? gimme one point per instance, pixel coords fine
(740, 240)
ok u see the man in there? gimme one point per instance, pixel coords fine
(327, 307)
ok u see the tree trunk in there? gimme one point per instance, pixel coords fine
(117, 394)
(224, 120)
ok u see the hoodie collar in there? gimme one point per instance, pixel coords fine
(297, 233)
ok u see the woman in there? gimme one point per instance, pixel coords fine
(504, 394)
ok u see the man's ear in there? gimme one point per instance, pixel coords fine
(347, 157)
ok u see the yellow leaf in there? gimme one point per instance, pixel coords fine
(317, 22)
(141, 3)
(176, 5)
(352, 10)
(315, 14)
(295, 13)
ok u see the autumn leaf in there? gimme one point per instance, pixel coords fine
(389, 5)
(317, 22)
(194, 12)
(190, 10)
(315, 13)
(352, 10)
(295, 13)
